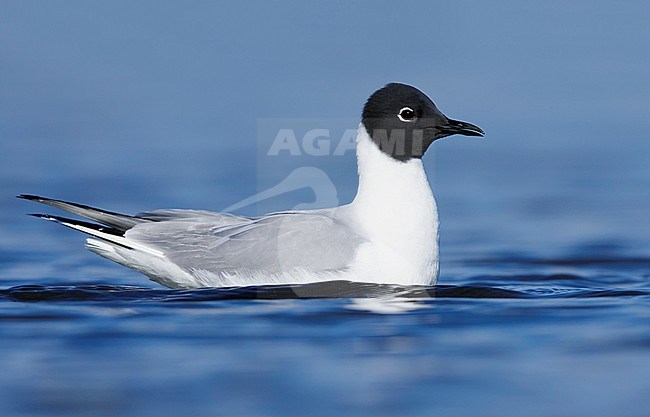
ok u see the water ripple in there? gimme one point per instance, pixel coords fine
(330, 289)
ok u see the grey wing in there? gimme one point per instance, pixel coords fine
(218, 219)
(315, 241)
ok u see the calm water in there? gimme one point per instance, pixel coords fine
(543, 304)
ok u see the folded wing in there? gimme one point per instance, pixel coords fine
(311, 240)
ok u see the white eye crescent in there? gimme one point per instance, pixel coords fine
(407, 114)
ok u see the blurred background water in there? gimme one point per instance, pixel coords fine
(543, 306)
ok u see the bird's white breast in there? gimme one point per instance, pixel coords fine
(397, 213)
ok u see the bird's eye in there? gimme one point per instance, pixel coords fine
(407, 114)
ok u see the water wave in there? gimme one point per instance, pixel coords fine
(329, 289)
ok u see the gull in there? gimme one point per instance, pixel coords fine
(388, 234)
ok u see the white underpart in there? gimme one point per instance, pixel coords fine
(158, 268)
(396, 209)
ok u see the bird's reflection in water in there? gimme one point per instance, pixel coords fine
(386, 305)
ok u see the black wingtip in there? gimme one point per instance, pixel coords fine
(43, 216)
(58, 218)
(72, 222)
(30, 197)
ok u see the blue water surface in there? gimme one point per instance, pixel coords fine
(543, 303)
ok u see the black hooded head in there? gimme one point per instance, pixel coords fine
(404, 122)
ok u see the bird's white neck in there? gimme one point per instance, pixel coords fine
(395, 206)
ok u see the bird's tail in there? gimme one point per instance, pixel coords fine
(116, 222)
(111, 228)
(109, 239)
